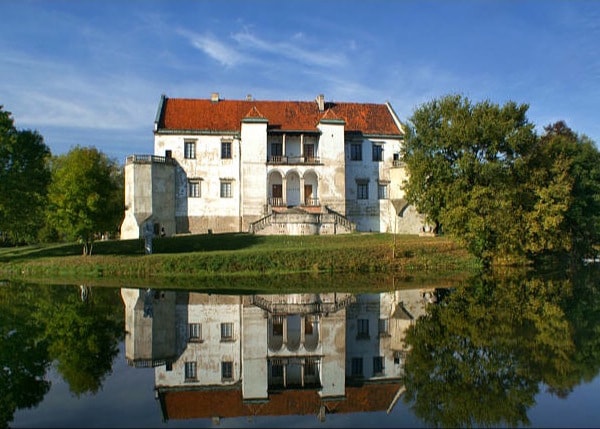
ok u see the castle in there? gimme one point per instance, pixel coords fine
(269, 167)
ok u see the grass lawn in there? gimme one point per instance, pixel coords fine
(241, 261)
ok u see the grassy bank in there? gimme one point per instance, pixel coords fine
(241, 260)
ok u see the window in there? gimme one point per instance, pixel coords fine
(227, 331)
(194, 188)
(277, 326)
(277, 370)
(226, 150)
(378, 366)
(194, 332)
(362, 190)
(377, 152)
(362, 328)
(356, 152)
(309, 152)
(276, 152)
(357, 367)
(226, 190)
(190, 150)
(227, 370)
(382, 191)
(308, 326)
(310, 367)
(384, 327)
(190, 371)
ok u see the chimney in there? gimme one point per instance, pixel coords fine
(214, 97)
(249, 97)
(320, 102)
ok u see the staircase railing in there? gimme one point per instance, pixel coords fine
(260, 224)
(341, 220)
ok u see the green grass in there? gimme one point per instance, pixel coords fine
(244, 261)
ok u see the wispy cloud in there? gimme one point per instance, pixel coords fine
(243, 47)
(49, 92)
(213, 47)
(295, 51)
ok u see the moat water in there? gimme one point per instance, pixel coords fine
(516, 351)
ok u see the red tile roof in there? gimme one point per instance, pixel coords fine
(182, 114)
(228, 402)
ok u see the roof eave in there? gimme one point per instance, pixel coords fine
(173, 131)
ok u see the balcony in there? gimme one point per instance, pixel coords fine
(278, 202)
(149, 159)
(293, 160)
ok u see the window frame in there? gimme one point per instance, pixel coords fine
(382, 191)
(227, 331)
(356, 152)
(189, 149)
(195, 332)
(362, 329)
(377, 152)
(378, 365)
(383, 327)
(194, 184)
(226, 189)
(357, 367)
(226, 370)
(190, 371)
(362, 190)
(226, 150)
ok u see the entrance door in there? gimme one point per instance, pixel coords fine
(277, 193)
(308, 195)
(309, 153)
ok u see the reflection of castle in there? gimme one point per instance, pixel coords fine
(220, 356)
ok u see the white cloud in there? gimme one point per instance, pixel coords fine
(309, 56)
(214, 48)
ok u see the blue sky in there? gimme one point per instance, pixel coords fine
(92, 72)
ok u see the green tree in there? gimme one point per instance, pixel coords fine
(461, 159)
(480, 171)
(478, 358)
(23, 353)
(24, 179)
(562, 194)
(86, 195)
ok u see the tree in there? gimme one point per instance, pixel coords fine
(24, 179)
(562, 184)
(478, 357)
(86, 195)
(461, 158)
(82, 336)
(23, 353)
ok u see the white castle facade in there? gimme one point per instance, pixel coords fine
(269, 167)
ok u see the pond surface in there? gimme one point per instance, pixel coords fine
(518, 351)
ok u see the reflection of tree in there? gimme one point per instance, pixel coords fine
(477, 358)
(583, 312)
(83, 336)
(23, 355)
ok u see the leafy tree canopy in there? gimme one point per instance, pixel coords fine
(24, 179)
(478, 357)
(480, 173)
(86, 195)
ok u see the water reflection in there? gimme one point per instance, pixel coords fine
(223, 356)
(487, 352)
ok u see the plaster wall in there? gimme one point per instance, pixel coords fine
(210, 170)
(254, 354)
(211, 351)
(332, 175)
